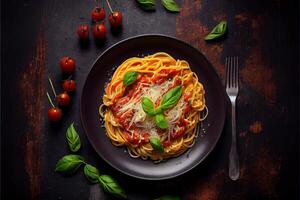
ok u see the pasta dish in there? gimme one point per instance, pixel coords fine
(152, 106)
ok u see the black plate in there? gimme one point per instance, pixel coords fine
(93, 90)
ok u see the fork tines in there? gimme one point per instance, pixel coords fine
(231, 77)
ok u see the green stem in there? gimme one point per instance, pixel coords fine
(52, 87)
(109, 6)
(85, 163)
(49, 98)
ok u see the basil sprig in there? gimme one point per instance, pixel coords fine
(171, 98)
(161, 121)
(149, 109)
(129, 78)
(111, 186)
(91, 173)
(218, 31)
(148, 106)
(170, 5)
(147, 4)
(168, 197)
(69, 163)
(107, 182)
(156, 144)
(73, 139)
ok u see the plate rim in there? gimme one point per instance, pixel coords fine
(115, 166)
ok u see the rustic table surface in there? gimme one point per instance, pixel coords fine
(264, 34)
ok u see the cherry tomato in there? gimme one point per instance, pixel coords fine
(98, 14)
(63, 99)
(99, 31)
(54, 114)
(69, 85)
(83, 32)
(67, 65)
(115, 19)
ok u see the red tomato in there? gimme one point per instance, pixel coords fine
(54, 114)
(115, 19)
(63, 99)
(98, 14)
(83, 32)
(67, 65)
(69, 85)
(99, 31)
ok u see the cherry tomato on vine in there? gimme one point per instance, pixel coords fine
(98, 14)
(67, 64)
(54, 114)
(115, 19)
(83, 32)
(63, 99)
(99, 31)
(69, 85)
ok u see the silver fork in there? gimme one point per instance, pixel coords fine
(232, 89)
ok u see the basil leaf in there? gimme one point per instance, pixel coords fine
(171, 98)
(156, 144)
(69, 163)
(218, 31)
(148, 106)
(91, 173)
(73, 138)
(129, 78)
(168, 197)
(111, 186)
(170, 5)
(147, 4)
(161, 121)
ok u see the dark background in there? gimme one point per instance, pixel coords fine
(265, 36)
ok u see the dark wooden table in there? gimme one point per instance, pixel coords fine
(263, 33)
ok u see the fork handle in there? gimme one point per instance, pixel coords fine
(234, 171)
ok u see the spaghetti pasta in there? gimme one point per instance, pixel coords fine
(127, 124)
